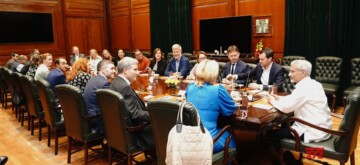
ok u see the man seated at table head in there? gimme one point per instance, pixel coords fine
(308, 102)
(144, 62)
(128, 72)
(266, 72)
(235, 66)
(106, 71)
(179, 64)
(57, 75)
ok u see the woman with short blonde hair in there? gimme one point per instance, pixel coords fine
(207, 72)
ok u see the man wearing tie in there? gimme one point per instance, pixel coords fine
(266, 72)
(179, 64)
(128, 71)
(235, 67)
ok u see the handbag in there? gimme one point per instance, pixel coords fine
(188, 145)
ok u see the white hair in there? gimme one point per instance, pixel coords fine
(303, 65)
(176, 46)
(126, 62)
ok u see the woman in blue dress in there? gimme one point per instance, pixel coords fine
(211, 100)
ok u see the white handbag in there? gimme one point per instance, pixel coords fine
(188, 145)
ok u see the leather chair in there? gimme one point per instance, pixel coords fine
(76, 118)
(163, 114)
(33, 103)
(190, 56)
(327, 72)
(18, 97)
(221, 70)
(52, 111)
(119, 129)
(10, 86)
(342, 143)
(251, 67)
(169, 56)
(4, 88)
(287, 86)
(287, 59)
(355, 78)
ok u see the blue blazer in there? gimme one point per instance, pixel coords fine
(241, 67)
(184, 66)
(95, 83)
(56, 77)
(276, 75)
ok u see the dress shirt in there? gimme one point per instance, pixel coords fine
(41, 72)
(177, 65)
(309, 103)
(233, 66)
(265, 75)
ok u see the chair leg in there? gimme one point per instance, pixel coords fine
(333, 102)
(29, 118)
(86, 152)
(22, 116)
(40, 129)
(6, 101)
(49, 135)
(352, 158)
(69, 150)
(109, 155)
(129, 160)
(32, 124)
(56, 141)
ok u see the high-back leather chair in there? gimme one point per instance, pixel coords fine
(52, 111)
(327, 72)
(287, 59)
(19, 98)
(342, 143)
(119, 129)
(163, 114)
(251, 67)
(33, 103)
(287, 86)
(10, 86)
(76, 118)
(169, 56)
(3, 87)
(221, 70)
(355, 78)
(190, 56)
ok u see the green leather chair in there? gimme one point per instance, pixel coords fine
(327, 72)
(33, 103)
(19, 98)
(342, 143)
(190, 56)
(77, 120)
(163, 114)
(287, 86)
(10, 86)
(119, 129)
(287, 59)
(3, 87)
(221, 70)
(355, 78)
(52, 111)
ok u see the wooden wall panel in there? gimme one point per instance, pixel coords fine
(120, 33)
(84, 8)
(141, 31)
(95, 34)
(76, 35)
(57, 48)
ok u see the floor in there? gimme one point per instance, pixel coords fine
(22, 148)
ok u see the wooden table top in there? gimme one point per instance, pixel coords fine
(258, 119)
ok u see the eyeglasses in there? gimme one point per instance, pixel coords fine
(202, 58)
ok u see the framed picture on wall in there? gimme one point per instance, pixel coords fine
(262, 26)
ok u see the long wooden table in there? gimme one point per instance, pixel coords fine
(259, 120)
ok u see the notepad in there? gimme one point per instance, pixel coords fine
(263, 106)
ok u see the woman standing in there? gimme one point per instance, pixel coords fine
(211, 100)
(78, 76)
(158, 64)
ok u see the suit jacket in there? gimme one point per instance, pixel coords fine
(56, 77)
(136, 107)
(276, 75)
(241, 67)
(72, 58)
(95, 83)
(184, 66)
(161, 66)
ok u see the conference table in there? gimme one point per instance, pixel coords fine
(258, 119)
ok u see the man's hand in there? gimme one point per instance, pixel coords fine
(229, 77)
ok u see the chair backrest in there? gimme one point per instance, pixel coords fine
(2, 79)
(190, 56)
(8, 81)
(328, 69)
(287, 86)
(163, 115)
(355, 71)
(169, 56)
(48, 102)
(221, 70)
(74, 111)
(287, 59)
(18, 95)
(116, 119)
(350, 123)
(31, 95)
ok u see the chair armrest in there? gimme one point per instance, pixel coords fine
(91, 117)
(297, 137)
(226, 148)
(137, 128)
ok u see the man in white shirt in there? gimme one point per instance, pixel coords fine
(308, 102)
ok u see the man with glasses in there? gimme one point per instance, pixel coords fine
(144, 62)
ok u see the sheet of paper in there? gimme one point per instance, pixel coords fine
(263, 106)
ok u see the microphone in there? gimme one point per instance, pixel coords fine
(247, 79)
(252, 98)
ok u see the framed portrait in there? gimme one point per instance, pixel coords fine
(262, 26)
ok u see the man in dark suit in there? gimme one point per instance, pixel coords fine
(76, 55)
(107, 71)
(179, 64)
(128, 71)
(235, 67)
(266, 72)
(57, 75)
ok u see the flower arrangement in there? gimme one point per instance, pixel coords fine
(259, 47)
(172, 81)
